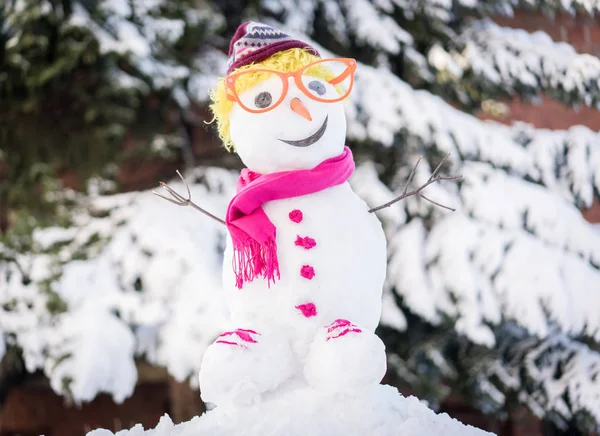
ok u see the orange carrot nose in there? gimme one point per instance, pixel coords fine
(298, 107)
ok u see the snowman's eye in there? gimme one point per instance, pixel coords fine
(263, 100)
(317, 87)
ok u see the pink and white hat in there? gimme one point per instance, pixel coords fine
(254, 42)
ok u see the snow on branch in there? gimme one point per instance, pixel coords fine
(375, 27)
(90, 351)
(480, 274)
(494, 197)
(127, 278)
(512, 251)
(556, 374)
(139, 31)
(382, 107)
(118, 34)
(570, 6)
(446, 11)
(366, 22)
(519, 62)
(567, 162)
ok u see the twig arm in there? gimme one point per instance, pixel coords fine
(432, 179)
(207, 213)
(180, 200)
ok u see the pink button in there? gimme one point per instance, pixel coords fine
(306, 242)
(307, 309)
(296, 215)
(307, 271)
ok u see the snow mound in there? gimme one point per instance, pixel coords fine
(304, 411)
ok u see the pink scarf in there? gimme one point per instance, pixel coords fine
(252, 233)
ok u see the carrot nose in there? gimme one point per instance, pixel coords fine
(298, 107)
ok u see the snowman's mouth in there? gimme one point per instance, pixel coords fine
(311, 139)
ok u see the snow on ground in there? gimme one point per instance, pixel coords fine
(300, 412)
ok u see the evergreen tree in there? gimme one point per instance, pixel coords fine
(77, 78)
(497, 301)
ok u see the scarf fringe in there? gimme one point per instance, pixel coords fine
(252, 259)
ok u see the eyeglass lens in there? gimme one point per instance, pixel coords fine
(262, 90)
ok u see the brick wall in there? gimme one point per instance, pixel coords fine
(593, 214)
(33, 410)
(549, 114)
(520, 423)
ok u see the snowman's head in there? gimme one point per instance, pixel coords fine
(286, 112)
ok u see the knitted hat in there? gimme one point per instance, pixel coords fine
(255, 42)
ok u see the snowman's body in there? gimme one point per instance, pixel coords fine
(274, 339)
(314, 323)
(349, 261)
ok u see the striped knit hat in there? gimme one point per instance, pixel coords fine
(254, 42)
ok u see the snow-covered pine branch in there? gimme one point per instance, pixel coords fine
(117, 32)
(383, 106)
(350, 21)
(556, 374)
(123, 276)
(477, 274)
(513, 61)
(569, 6)
(140, 32)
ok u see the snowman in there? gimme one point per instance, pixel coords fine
(305, 261)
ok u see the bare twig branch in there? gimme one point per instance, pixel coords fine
(411, 175)
(438, 167)
(180, 200)
(436, 203)
(432, 179)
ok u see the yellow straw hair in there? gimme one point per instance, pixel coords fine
(287, 60)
